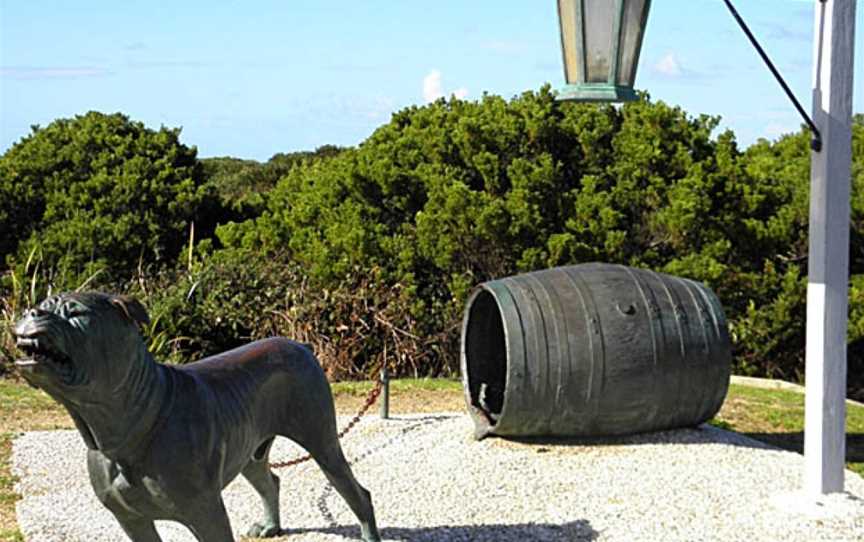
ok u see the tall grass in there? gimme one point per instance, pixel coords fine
(207, 304)
(24, 287)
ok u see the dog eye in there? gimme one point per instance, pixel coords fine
(49, 304)
(73, 310)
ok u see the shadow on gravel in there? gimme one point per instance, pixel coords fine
(574, 531)
(704, 434)
(794, 441)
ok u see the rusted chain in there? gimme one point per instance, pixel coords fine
(370, 400)
(327, 490)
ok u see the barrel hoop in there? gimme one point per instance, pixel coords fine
(686, 284)
(674, 305)
(541, 350)
(565, 363)
(526, 322)
(711, 310)
(539, 289)
(510, 339)
(719, 359)
(533, 286)
(571, 360)
(679, 367)
(704, 399)
(597, 346)
(648, 312)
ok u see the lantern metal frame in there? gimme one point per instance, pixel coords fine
(610, 90)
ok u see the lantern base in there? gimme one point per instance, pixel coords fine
(596, 92)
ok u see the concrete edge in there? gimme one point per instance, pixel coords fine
(771, 384)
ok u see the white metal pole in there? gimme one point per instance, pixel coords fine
(828, 275)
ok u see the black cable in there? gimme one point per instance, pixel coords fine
(816, 142)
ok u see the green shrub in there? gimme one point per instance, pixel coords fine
(101, 192)
(372, 251)
(243, 185)
(454, 193)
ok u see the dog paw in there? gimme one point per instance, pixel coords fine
(263, 530)
(369, 534)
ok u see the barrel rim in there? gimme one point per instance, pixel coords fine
(483, 425)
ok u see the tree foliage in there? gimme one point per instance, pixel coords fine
(243, 185)
(101, 191)
(455, 193)
(373, 249)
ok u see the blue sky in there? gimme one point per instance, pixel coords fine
(255, 77)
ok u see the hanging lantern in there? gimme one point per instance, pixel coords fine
(601, 41)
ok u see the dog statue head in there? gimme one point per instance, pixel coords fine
(78, 345)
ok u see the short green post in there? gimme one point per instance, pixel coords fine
(385, 393)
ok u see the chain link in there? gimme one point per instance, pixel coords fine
(328, 488)
(370, 400)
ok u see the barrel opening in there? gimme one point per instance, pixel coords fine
(486, 355)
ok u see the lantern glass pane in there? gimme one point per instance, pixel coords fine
(571, 34)
(632, 27)
(599, 19)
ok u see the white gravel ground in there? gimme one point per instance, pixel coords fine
(431, 481)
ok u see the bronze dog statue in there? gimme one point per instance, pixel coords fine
(164, 441)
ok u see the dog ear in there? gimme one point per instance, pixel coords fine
(131, 309)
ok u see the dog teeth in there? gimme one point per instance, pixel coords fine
(41, 351)
(27, 343)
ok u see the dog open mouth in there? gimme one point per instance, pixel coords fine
(41, 353)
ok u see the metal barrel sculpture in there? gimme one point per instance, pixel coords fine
(593, 350)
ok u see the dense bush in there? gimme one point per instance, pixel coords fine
(371, 251)
(454, 193)
(243, 185)
(101, 191)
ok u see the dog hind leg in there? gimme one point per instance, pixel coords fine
(208, 521)
(139, 530)
(266, 484)
(332, 461)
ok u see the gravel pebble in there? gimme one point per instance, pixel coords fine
(431, 481)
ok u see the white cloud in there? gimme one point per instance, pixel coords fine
(668, 65)
(672, 66)
(433, 88)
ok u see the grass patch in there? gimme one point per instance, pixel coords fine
(22, 408)
(777, 418)
(8, 526)
(400, 386)
(406, 395)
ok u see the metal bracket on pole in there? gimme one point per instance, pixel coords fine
(816, 141)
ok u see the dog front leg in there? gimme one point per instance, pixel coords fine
(209, 522)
